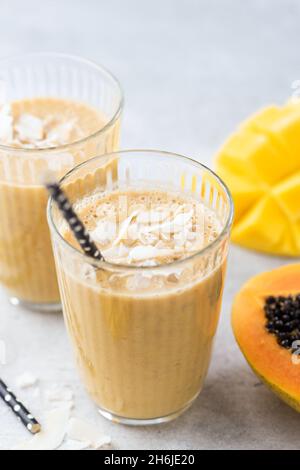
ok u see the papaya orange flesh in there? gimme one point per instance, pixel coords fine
(270, 361)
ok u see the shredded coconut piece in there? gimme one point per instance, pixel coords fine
(71, 444)
(124, 227)
(149, 229)
(32, 132)
(29, 128)
(183, 218)
(141, 253)
(54, 429)
(61, 133)
(57, 394)
(104, 232)
(152, 216)
(114, 253)
(133, 232)
(80, 430)
(26, 380)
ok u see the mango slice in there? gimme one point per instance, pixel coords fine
(260, 163)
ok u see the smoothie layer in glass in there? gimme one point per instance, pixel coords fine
(26, 261)
(143, 335)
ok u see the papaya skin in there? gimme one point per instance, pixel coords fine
(270, 362)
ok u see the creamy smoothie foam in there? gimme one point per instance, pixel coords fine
(143, 337)
(26, 260)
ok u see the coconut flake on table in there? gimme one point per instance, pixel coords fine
(71, 444)
(26, 380)
(51, 436)
(57, 394)
(80, 430)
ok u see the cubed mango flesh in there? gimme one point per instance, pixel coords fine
(260, 163)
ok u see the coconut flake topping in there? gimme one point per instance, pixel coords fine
(29, 131)
(152, 233)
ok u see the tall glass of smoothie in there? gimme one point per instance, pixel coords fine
(55, 112)
(143, 321)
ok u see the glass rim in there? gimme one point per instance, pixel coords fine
(100, 68)
(122, 267)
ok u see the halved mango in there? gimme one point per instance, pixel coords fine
(260, 163)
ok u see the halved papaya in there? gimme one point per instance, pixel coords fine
(277, 366)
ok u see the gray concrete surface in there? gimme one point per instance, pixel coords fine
(191, 71)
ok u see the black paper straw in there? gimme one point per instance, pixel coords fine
(77, 227)
(19, 409)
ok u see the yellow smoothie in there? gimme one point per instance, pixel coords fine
(143, 333)
(38, 135)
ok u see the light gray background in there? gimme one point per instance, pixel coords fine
(191, 70)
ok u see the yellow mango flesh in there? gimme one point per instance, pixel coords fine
(260, 163)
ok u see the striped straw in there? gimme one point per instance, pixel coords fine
(77, 227)
(19, 409)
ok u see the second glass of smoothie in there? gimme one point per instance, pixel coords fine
(143, 321)
(55, 112)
